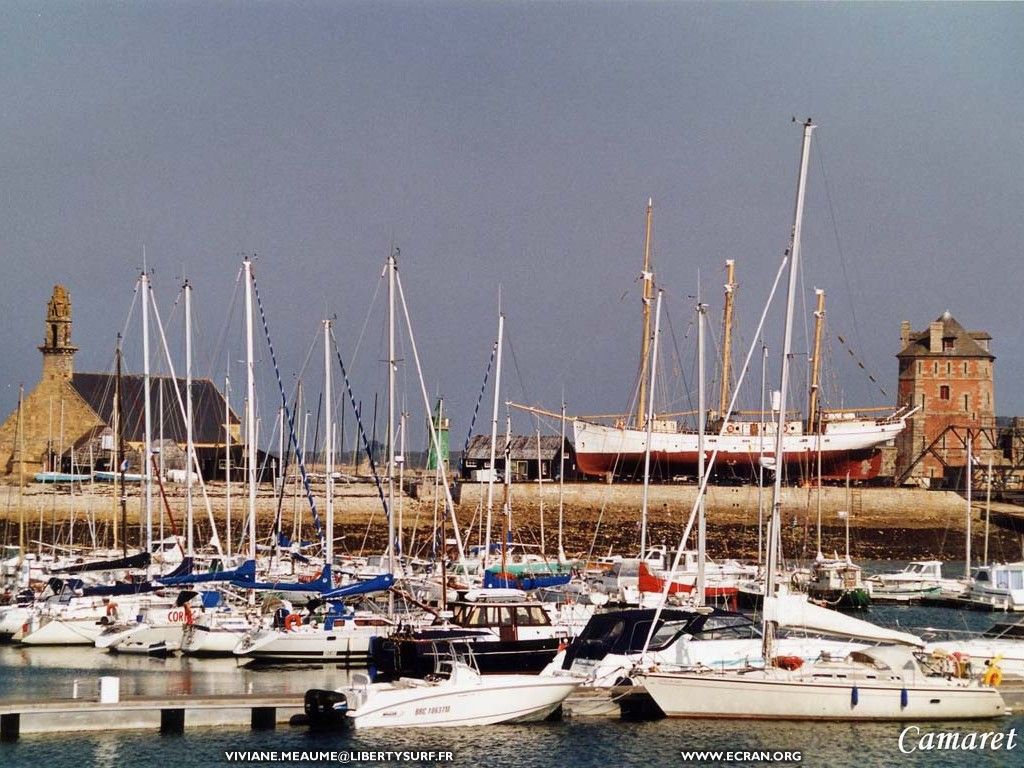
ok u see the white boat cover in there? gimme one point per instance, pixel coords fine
(795, 612)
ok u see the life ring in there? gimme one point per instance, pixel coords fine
(112, 609)
(788, 662)
(730, 428)
(292, 620)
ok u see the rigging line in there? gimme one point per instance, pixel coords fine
(291, 417)
(861, 365)
(515, 364)
(366, 320)
(362, 431)
(476, 408)
(679, 356)
(222, 337)
(820, 152)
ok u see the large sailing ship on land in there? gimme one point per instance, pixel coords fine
(844, 443)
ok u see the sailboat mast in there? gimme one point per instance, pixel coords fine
(813, 423)
(540, 496)
(494, 440)
(645, 342)
(227, 461)
(391, 421)
(329, 443)
(727, 310)
(148, 440)
(988, 506)
(780, 427)
(21, 476)
(699, 585)
(190, 447)
(561, 482)
(250, 410)
(970, 502)
(122, 463)
(650, 429)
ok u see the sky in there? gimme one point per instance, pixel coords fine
(508, 150)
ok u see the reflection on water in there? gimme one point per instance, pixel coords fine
(586, 743)
(51, 673)
(570, 744)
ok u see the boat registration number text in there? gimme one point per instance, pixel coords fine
(432, 710)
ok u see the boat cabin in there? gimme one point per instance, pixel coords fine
(625, 632)
(503, 611)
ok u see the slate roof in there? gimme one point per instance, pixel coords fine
(98, 390)
(965, 343)
(524, 447)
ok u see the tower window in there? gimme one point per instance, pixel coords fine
(918, 367)
(949, 369)
(944, 392)
(966, 402)
(947, 344)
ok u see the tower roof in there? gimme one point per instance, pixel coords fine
(956, 341)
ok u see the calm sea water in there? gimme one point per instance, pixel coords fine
(582, 743)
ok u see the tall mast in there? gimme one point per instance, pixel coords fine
(768, 647)
(250, 411)
(540, 496)
(20, 476)
(650, 430)
(561, 482)
(227, 461)
(760, 458)
(645, 342)
(494, 440)
(701, 420)
(970, 502)
(392, 266)
(329, 443)
(730, 295)
(190, 448)
(149, 417)
(122, 463)
(813, 422)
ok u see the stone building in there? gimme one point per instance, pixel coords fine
(69, 414)
(947, 373)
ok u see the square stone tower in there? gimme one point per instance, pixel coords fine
(947, 373)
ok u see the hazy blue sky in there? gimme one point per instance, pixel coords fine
(511, 144)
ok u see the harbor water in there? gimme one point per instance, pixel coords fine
(573, 742)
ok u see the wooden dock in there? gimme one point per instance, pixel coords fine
(169, 715)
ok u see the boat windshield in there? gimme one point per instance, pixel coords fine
(727, 628)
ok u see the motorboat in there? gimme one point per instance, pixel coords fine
(455, 694)
(919, 579)
(838, 583)
(507, 631)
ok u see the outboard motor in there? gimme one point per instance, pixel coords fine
(320, 712)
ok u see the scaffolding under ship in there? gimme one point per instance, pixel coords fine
(843, 443)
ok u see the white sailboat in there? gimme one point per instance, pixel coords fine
(883, 683)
